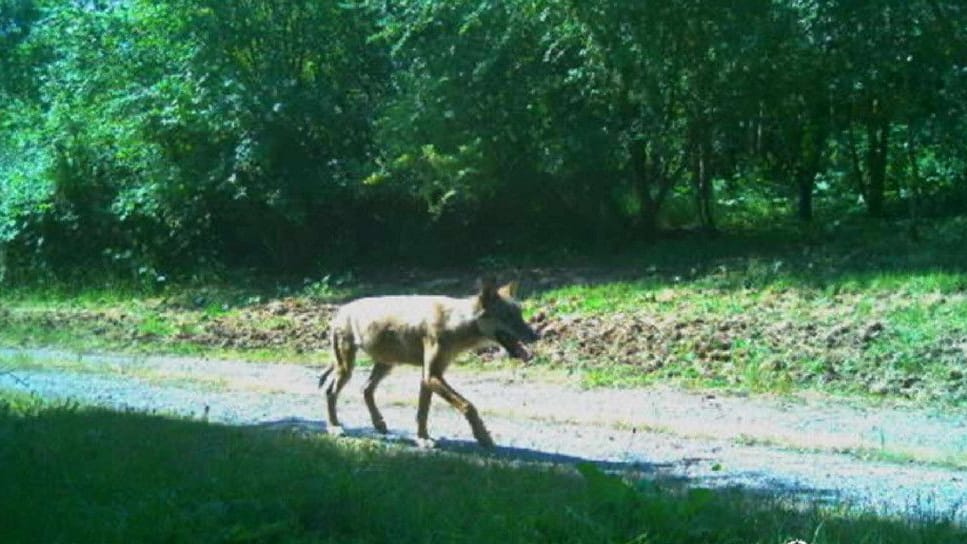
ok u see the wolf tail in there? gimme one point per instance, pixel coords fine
(335, 349)
(325, 375)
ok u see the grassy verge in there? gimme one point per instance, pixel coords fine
(853, 309)
(213, 321)
(89, 475)
(904, 340)
(870, 313)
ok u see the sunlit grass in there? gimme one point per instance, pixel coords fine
(902, 305)
(904, 330)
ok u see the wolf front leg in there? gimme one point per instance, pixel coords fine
(380, 370)
(422, 412)
(434, 364)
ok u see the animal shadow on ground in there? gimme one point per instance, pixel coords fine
(765, 484)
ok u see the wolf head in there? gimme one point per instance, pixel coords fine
(501, 319)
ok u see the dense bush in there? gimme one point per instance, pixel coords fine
(157, 137)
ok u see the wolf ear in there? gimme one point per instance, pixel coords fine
(509, 290)
(488, 288)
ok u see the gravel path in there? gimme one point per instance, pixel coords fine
(811, 448)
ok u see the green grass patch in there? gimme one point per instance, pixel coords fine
(874, 320)
(76, 474)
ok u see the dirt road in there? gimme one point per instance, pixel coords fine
(893, 461)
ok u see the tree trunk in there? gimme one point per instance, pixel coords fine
(916, 185)
(878, 145)
(704, 192)
(648, 219)
(869, 171)
(879, 141)
(651, 183)
(805, 208)
(647, 222)
(857, 174)
(811, 154)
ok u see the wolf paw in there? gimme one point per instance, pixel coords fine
(335, 430)
(426, 443)
(485, 441)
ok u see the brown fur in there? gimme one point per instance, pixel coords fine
(422, 330)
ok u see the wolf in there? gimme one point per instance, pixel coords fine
(429, 331)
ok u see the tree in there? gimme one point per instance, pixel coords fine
(209, 130)
(22, 199)
(891, 71)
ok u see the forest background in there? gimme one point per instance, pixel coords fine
(161, 139)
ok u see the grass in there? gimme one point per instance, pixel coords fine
(78, 474)
(136, 326)
(868, 313)
(912, 330)
(852, 308)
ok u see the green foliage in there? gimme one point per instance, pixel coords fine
(159, 138)
(176, 130)
(27, 193)
(17, 55)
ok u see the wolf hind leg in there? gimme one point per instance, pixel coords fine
(335, 378)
